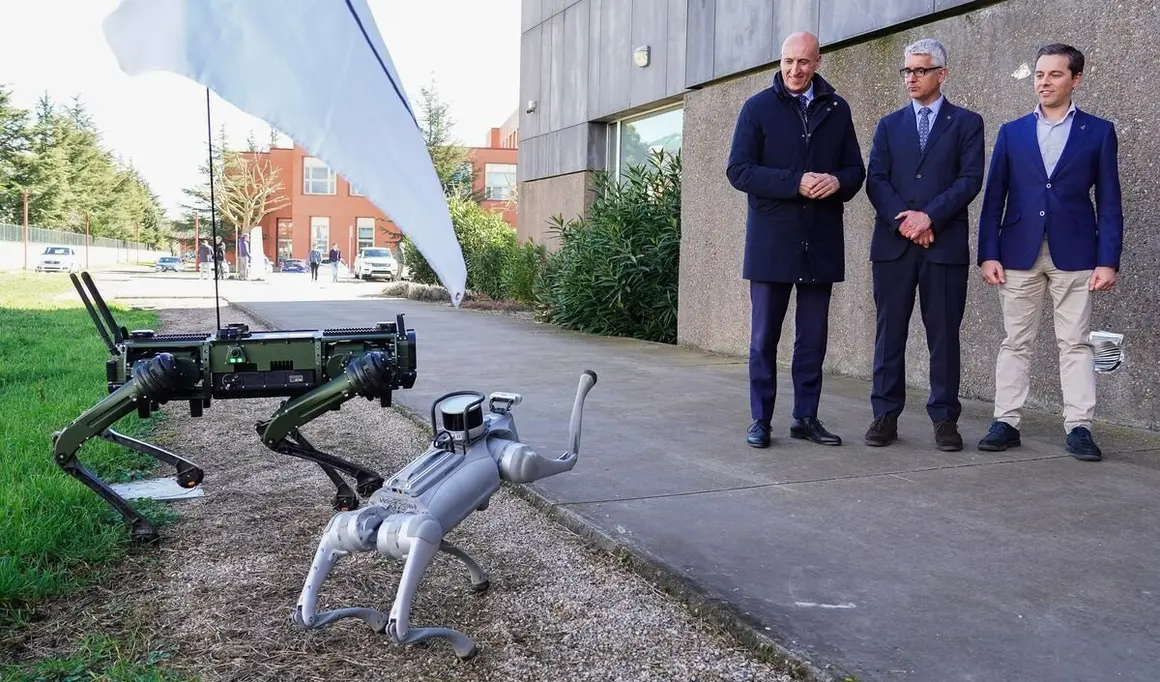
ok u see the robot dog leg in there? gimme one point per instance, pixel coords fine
(465, 464)
(413, 538)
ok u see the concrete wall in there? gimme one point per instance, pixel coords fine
(988, 48)
(577, 68)
(567, 195)
(12, 255)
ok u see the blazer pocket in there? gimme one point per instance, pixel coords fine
(1010, 219)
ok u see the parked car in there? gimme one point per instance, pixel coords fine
(59, 259)
(295, 265)
(375, 262)
(169, 264)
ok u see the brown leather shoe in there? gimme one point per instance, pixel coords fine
(946, 437)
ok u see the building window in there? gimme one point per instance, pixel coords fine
(366, 232)
(355, 191)
(320, 233)
(317, 177)
(633, 138)
(500, 181)
(285, 239)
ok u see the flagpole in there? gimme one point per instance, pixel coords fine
(213, 213)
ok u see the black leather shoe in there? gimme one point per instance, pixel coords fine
(883, 431)
(1081, 445)
(946, 436)
(810, 428)
(1001, 436)
(758, 436)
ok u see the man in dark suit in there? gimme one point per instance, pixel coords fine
(795, 154)
(926, 166)
(1039, 233)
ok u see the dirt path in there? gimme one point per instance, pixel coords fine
(219, 591)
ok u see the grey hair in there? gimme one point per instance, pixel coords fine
(931, 47)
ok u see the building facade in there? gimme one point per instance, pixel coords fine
(603, 79)
(321, 209)
(493, 169)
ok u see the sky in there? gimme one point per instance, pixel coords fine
(471, 48)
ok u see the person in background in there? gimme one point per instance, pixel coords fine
(315, 259)
(204, 260)
(335, 257)
(243, 258)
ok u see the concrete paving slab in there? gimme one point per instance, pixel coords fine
(898, 563)
(1041, 570)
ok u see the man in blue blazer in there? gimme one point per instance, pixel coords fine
(796, 156)
(926, 166)
(1040, 234)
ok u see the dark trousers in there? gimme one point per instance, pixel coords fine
(314, 271)
(769, 301)
(942, 291)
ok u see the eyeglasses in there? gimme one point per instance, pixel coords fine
(920, 71)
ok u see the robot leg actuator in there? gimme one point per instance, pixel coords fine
(152, 381)
(414, 538)
(369, 376)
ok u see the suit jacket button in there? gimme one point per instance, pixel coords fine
(1043, 213)
(1049, 185)
(919, 176)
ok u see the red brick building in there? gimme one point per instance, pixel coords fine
(323, 208)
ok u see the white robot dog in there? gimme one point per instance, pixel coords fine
(469, 457)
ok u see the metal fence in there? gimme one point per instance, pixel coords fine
(41, 235)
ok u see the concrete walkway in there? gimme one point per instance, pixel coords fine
(899, 563)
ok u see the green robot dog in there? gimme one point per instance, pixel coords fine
(316, 370)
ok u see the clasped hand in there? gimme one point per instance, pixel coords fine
(818, 185)
(916, 227)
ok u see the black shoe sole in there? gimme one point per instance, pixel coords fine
(988, 447)
(1085, 457)
(802, 436)
(880, 443)
(758, 445)
(949, 447)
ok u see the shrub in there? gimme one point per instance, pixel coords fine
(616, 271)
(488, 243)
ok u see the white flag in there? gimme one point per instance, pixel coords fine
(317, 70)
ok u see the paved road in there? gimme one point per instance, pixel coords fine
(899, 563)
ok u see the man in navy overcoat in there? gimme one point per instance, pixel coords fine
(1040, 234)
(926, 166)
(796, 155)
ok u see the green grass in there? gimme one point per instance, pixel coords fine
(97, 658)
(55, 534)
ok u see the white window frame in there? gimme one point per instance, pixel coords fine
(360, 225)
(309, 180)
(355, 192)
(320, 224)
(505, 191)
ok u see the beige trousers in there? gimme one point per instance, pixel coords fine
(1021, 299)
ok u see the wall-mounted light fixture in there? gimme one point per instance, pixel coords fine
(531, 106)
(640, 56)
(1109, 351)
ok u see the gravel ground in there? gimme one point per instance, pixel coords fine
(219, 591)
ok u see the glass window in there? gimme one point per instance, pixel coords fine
(320, 234)
(500, 181)
(285, 239)
(634, 138)
(317, 177)
(366, 232)
(355, 191)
